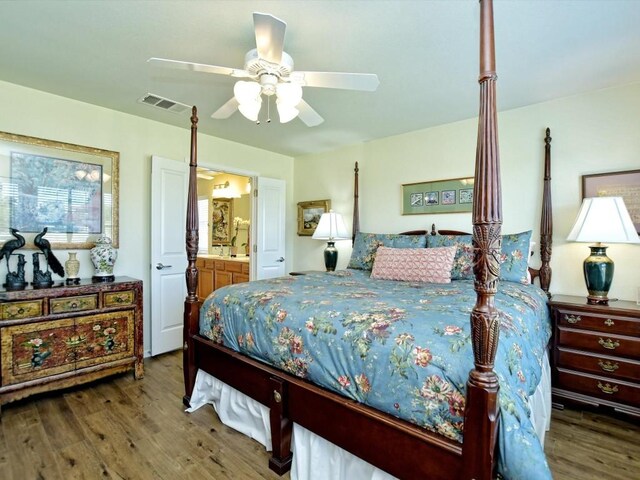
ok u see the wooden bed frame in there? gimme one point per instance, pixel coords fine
(409, 450)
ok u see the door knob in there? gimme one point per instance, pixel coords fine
(160, 266)
(281, 259)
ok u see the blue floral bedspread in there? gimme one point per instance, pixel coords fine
(402, 348)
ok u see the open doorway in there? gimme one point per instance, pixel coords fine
(224, 212)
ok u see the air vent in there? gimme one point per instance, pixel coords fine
(163, 103)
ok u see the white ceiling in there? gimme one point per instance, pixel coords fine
(424, 52)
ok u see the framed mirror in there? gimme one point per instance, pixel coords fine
(70, 189)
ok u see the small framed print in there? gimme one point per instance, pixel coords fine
(448, 197)
(431, 198)
(416, 199)
(466, 195)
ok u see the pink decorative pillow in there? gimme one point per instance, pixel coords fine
(431, 265)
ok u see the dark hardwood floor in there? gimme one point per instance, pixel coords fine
(125, 429)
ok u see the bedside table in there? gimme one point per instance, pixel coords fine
(596, 353)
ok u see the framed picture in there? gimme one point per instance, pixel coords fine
(616, 184)
(221, 221)
(70, 189)
(466, 195)
(448, 197)
(309, 214)
(440, 196)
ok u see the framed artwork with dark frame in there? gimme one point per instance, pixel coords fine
(71, 189)
(221, 221)
(440, 196)
(616, 184)
(309, 214)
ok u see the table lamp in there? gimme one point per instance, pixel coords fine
(601, 219)
(331, 228)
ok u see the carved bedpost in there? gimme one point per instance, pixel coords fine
(191, 304)
(355, 227)
(546, 222)
(482, 411)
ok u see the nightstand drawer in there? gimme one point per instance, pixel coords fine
(601, 323)
(80, 303)
(117, 299)
(614, 367)
(603, 343)
(600, 387)
(16, 310)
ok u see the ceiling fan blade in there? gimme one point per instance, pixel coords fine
(349, 81)
(199, 67)
(269, 36)
(226, 110)
(308, 115)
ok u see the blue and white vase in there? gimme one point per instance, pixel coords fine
(103, 256)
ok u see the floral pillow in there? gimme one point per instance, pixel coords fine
(366, 245)
(515, 257)
(514, 260)
(431, 265)
(463, 260)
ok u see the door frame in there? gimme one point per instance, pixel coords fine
(253, 175)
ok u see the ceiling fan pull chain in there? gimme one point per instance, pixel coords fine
(269, 109)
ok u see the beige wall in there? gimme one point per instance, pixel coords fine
(35, 113)
(593, 132)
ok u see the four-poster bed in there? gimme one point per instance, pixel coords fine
(410, 450)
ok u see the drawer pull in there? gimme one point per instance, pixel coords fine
(609, 323)
(609, 344)
(73, 305)
(608, 366)
(572, 318)
(21, 311)
(608, 389)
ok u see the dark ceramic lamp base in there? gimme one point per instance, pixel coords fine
(330, 257)
(598, 275)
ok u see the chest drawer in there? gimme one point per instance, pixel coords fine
(116, 299)
(17, 310)
(616, 345)
(73, 304)
(233, 267)
(614, 367)
(36, 350)
(602, 323)
(600, 387)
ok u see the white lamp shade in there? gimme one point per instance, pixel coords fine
(289, 94)
(246, 92)
(286, 113)
(251, 109)
(331, 227)
(603, 219)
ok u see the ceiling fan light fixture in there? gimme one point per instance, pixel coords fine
(288, 94)
(246, 92)
(286, 112)
(251, 109)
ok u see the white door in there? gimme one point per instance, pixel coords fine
(169, 184)
(270, 219)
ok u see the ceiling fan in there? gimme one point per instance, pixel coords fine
(270, 72)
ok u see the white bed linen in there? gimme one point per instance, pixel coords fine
(314, 457)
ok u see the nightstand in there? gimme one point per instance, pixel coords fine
(596, 353)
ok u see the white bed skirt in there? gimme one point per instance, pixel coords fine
(314, 457)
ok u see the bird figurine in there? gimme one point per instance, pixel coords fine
(11, 245)
(44, 245)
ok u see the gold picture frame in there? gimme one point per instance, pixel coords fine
(73, 190)
(221, 221)
(309, 214)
